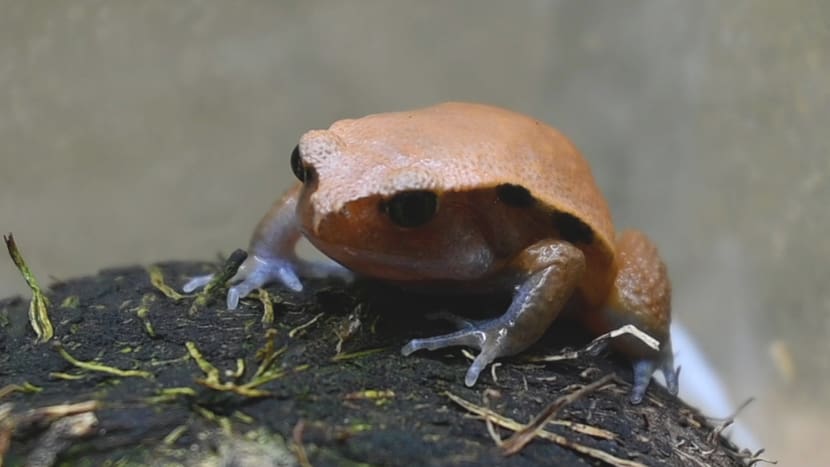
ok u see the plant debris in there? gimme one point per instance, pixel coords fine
(213, 289)
(39, 304)
(166, 386)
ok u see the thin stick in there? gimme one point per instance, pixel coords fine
(521, 438)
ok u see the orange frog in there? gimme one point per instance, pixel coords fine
(473, 197)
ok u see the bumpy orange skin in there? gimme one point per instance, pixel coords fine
(463, 149)
(513, 205)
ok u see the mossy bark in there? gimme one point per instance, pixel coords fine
(365, 405)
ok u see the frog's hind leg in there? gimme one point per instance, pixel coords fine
(641, 296)
(548, 272)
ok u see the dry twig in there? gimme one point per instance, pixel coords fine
(297, 444)
(511, 424)
(600, 342)
(521, 438)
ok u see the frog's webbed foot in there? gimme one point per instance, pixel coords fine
(644, 368)
(257, 271)
(492, 338)
(555, 269)
(253, 273)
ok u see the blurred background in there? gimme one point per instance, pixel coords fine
(135, 132)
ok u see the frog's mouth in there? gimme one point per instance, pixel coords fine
(463, 264)
(379, 265)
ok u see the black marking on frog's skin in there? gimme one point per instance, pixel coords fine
(410, 209)
(571, 228)
(515, 195)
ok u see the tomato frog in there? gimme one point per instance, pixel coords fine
(462, 196)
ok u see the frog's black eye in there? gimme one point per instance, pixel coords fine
(297, 165)
(411, 208)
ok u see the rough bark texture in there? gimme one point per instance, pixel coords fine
(374, 408)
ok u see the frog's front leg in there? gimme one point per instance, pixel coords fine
(272, 256)
(553, 270)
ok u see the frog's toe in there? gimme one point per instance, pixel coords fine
(459, 338)
(486, 357)
(287, 276)
(197, 283)
(238, 291)
(672, 377)
(256, 272)
(644, 368)
(489, 337)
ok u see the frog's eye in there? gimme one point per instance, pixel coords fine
(411, 208)
(297, 165)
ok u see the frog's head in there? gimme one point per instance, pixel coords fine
(383, 212)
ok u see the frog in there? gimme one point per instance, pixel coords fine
(467, 197)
